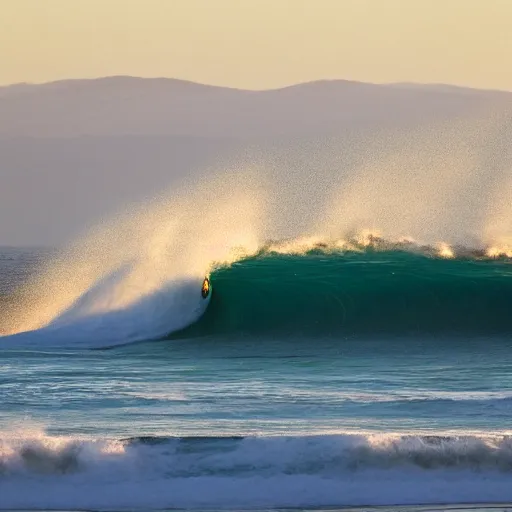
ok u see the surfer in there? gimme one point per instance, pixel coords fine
(205, 289)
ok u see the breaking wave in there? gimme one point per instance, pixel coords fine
(332, 470)
(431, 193)
(373, 291)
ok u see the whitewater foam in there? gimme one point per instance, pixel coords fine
(336, 470)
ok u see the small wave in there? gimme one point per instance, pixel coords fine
(331, 470)
(402, 395)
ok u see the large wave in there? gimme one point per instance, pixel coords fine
(41, 472)
(373, 291)
(306, 288)
(441, 186)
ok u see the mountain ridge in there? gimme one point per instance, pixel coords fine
(192, 83)
(141, 106)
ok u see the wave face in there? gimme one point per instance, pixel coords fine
(333, 470)
(367, 292)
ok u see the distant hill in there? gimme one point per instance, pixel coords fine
(136, 106)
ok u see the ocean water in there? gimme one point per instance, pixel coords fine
(313, 375)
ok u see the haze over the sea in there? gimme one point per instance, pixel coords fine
(75, 152)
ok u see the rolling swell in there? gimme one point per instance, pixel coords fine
(358, 293)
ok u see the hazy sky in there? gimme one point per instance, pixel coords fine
(259, 43)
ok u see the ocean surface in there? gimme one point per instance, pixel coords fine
(310, 376)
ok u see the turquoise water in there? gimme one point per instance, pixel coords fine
(323, 379)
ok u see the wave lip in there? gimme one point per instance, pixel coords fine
(331, 470)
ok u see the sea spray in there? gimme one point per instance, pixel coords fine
(139, 266)
(444, 186)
